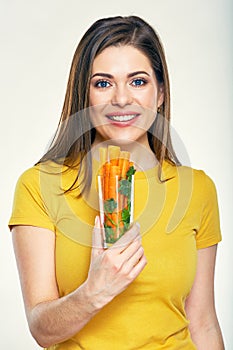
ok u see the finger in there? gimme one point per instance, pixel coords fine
(133, 260)
(131, 249)
(135, 264)
(138, 267)
(97, 239)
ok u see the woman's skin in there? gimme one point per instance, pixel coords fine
(124, 95)
(123, 84)
(52, 319)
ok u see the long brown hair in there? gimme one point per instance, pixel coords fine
(75, 124)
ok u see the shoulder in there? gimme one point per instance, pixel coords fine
(199, 176)
(201, 180)
(49, 179)
(35, 175)
(192, 181)
(29, 176)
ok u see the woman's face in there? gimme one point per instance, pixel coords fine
(124, 94)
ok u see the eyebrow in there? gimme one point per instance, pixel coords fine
(130, 75)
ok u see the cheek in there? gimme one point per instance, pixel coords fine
(148, 99)
(97, 97)
(93, 116)
(97, 112)
(152, 101)
(92, 96)
(92, 99)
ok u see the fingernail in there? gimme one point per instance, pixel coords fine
(96, 220)
(138, 225)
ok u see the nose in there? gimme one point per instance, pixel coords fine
(121, 96)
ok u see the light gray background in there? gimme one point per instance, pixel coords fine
(38, 39)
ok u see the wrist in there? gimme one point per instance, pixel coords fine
(95, 299)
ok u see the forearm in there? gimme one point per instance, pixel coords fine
(52, 319)
(57, 320)
(208, 337)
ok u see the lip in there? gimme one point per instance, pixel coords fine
(122, 123)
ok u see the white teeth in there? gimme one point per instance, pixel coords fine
(122, 118)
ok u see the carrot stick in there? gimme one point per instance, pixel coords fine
(108, 221)
(123, 157)
(114, 172)
(131, 164)
(106, 180)
(125, 165)
(113, 193)
(120, 164)
(103, 155)
(113, 154)
(103, 159)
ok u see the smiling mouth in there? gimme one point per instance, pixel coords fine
(122, 118)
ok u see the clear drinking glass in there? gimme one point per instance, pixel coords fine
(116, 207)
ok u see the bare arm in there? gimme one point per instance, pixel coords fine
(52, 319)
(200, 306)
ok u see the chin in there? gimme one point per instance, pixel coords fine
(125, 136)
(123, 141)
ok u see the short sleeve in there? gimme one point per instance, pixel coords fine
(28, 205)
(209, 232)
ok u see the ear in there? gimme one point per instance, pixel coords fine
(160, 99)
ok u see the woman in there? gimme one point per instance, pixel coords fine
(153, 288)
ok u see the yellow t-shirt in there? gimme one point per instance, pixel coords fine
(177, 217)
